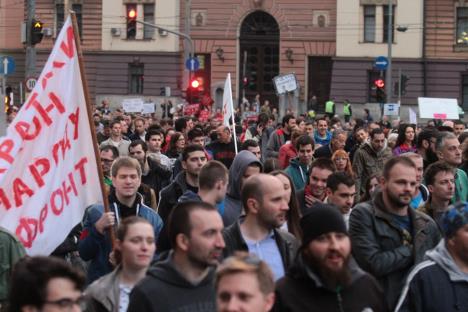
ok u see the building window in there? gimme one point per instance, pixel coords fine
(135, 78)
(369, 23)
(60, 16)
(372, 76)
(148, 16)
(462, 25)
(385, 24)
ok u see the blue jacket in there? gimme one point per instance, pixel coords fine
(298, 173)
(96, 247)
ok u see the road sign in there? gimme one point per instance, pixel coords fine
(381, 63)
(391, 109)
(192, 64)
(7, 65)
(30, 84)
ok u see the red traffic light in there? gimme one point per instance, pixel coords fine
(195, 83)
(132, 13)
(379, 83)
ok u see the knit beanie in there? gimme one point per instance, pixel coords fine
(454, 218)
(321, 219)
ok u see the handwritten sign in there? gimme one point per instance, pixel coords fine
(132, 105)
(48, 172)
(436, 108)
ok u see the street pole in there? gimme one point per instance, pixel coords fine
(187, 41)
(388, 76)
(30, 49)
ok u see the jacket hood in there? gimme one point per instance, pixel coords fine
(442, 257)
(189, 196)
(295, 163)
(368, 146)
(167, 273)
(240, 163)
(301, 270)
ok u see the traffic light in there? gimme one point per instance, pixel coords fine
(404, 83)
(36, 32)
(245, 82)
(7, 100)
(194, 90)
(131, 21)
(380, 90)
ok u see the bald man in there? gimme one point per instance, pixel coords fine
(266, 208)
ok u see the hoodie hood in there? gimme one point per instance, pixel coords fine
(168, 274)
(295, 163)
(442, 257)
(237, 169)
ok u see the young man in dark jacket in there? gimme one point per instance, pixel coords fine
(324, 277)
(441, 282)
(265, 204)
(185, 280)
(388, 236)
(95, 244)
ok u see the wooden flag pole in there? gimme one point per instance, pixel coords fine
(90, 121)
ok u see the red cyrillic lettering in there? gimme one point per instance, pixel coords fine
(68, 47)
(62, 145)
(80, 167)
(42, 217)
(74, 118)
(53, 206)
(4, 199)
(19, 189)
(68, 189)
(22, 127)
(27, 226)
(5, 148)
(39, 173)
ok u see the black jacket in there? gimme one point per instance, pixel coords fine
(303, 290)
(379, 248)
(287, 243)
(170, 194)
(164, 289)
(157, 177)
(323, 152)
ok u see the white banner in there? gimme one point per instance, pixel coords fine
(48, 172)
(228, 109)
(132, 105)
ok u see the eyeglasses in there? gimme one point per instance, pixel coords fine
(66, 304)
(340, 158)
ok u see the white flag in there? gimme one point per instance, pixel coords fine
(413, 118)
(228, 110)
(48, 171)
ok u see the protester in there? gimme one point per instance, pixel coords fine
(371, 186)
(458, 127)
(440, 180)
(294, 213)
(448, 150)
(342, 162)
(421, 195)
(370, 159)
(341, 191)
(154, 139)
(337, 142)
(260, 133)
(116, 139)
(139, 132)
(245, 164)
(288, 151)
(324, 277)
(425, 145)
(176, 146)
(184, 281)
(356, 140)
(108, 153)
(406, 140)
(265, 204)
(279, 137)
(134, 250)
(388, 236)
(46, 284)
(244, 283)
(322, 136)
(440, 283)
(253, 147)
(124, 201)
(299, 166)
(223, 149)
(193, 159)
(315, 190)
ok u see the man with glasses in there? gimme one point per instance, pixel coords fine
(108, 153)
(46, 284)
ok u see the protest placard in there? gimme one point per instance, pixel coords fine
(132, 105)
(437, 108)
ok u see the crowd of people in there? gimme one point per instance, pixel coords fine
(297, 214)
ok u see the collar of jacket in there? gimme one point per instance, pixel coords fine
(113, 198)
(106, 290)
(418, 219)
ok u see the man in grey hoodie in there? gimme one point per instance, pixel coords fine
(441, 282)
(245, 164)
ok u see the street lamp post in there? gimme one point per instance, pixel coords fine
(388, 75)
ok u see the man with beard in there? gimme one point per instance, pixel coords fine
(369, 159)
(448, 149)
(425, 144)
(324, 277)
(279, 137)
(264, 200)
(388, 236)
(185, 280)
(315, 191)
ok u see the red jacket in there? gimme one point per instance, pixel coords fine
(286, 153)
